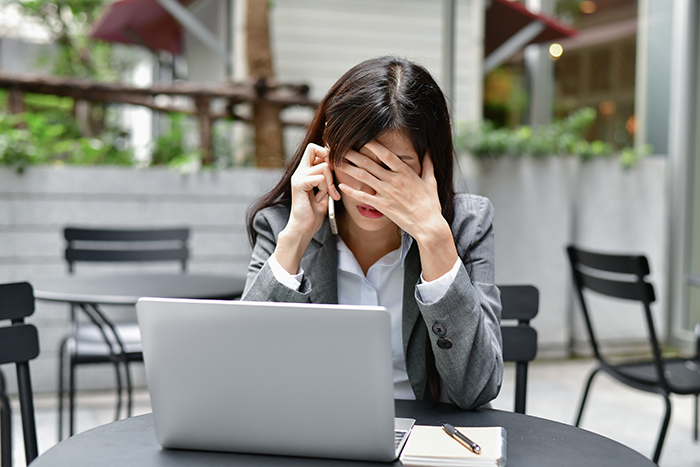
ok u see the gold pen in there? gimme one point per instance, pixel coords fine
(454, 432)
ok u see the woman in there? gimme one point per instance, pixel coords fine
(380, 149)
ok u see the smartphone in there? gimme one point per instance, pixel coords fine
(331, 215)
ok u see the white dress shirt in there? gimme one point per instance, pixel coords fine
(382, 286)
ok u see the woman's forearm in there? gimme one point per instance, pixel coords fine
(438, 253)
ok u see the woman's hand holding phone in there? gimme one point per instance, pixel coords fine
(312, 186)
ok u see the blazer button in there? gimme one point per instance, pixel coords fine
(444, 343)
(439, 329)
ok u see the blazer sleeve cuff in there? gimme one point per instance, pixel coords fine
(293, 281)
(266, 288)
(431, 292)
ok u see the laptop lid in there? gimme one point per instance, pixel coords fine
(272, 378)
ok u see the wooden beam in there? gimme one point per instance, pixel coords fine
(266, 96)
(283, 94)
(269, 149)
(204, 118)
(279, 95)
(15, 101)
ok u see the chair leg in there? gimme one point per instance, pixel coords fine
(71, 398)
(695, 430)
(520, 387)
(585, 396)
(5, 428)
(118, 375)
(664, 427)
(26, 405)
(61, 385)
(129, 388)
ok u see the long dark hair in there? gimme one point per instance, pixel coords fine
(374, 97)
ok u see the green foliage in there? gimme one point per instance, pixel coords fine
(170, 148)
(55, 105)
(562, 137)
(47, 132)
(168, 145)
(629, 157)
(69, 22)
(51, 136)
(567, 10)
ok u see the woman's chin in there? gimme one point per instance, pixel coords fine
(373, 224)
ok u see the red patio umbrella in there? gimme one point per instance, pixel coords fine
(504, 18)
(142, 22)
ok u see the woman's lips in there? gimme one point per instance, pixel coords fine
(369, 212)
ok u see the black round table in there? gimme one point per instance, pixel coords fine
(126, 289)
(531, 441)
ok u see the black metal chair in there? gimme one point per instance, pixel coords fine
(521, 303)
(624, 277)
(99, 341)
(19, 343)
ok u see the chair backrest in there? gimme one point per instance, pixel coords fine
(618, 276)
(19, 343)
(520, 303)
(126, 245)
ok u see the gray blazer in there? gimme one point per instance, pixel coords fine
(463, 327)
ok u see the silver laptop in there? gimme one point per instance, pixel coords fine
(272, 378)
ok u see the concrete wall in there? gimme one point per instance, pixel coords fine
(533, 223)
(624, 211)
(542, 204)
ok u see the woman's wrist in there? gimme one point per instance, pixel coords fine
(437, 249)
(290, 248)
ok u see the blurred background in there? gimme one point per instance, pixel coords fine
(576, 118)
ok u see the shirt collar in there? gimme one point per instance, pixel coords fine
(347, 261)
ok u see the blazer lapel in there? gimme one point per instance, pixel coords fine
(411, 275)
(319, 266)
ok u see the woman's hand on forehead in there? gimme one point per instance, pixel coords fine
(399, 190)
(375, 158)
(382, 156)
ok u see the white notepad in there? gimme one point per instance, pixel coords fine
(432, 446)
